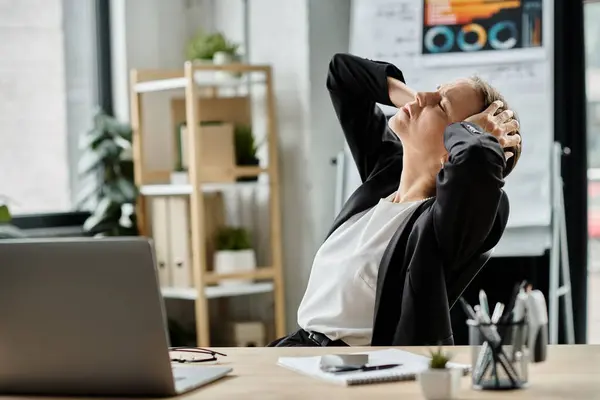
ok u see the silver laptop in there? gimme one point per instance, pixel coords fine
(86, 317)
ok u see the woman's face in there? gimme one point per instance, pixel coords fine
(420, 124)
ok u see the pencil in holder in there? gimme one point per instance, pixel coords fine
(499, 355)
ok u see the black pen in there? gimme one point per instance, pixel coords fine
(364, 368)
(506, 316)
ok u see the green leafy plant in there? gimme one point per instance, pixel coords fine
(7, 230)
(108, 175)
(232, 239)
(203, 46)
(245, 146)
(5, 216)
(439, 358)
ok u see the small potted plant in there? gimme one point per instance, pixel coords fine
(7, 230)
(245, 149)
(179, 175)
(234, 254)
(205, 47)
(439, 381)
(213, 48)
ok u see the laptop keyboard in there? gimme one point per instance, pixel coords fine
(178, 373)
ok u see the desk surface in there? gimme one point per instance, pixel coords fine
(571, 372)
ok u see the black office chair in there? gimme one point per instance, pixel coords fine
(458, 286)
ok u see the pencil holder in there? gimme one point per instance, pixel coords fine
(499, 355)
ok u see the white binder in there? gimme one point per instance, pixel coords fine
(179, 237)
(160, 234)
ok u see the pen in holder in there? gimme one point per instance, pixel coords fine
(500, 357)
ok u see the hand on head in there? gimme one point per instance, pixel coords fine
(502, 125)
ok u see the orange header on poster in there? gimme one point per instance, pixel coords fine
(462, 12)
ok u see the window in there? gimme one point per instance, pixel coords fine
(47, 96)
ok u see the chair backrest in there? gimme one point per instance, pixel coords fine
(469, 272)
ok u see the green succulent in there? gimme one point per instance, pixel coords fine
(7, 230)
(5, 216)
(245, 146)
(439, 358)
(230, 238)
(204, 46)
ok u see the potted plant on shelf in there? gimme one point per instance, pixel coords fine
(245, 149)
(214, 48)
(204, 47)
(234, 254)
(107, 171)
(179, 175)
(7, 230)
(439, 381)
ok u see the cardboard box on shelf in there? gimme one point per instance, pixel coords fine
(217, 151)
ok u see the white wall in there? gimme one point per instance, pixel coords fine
(298, 38)
(329, 23)
(278, 36)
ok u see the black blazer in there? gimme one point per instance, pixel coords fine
(425, 267)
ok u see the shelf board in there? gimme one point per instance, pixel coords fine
(159, 85)
(185, 190)
(241, 172)
(213, 292)
(259, 273)
(202, 78)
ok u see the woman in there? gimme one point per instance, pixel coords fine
(431, 203)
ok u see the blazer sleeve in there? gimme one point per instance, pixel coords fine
(355, 85)
(470, 203)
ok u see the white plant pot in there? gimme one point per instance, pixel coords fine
(223, 58)
(204, 75)
(179, 178)
(440, 384)
(235, 262)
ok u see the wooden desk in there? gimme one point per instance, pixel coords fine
(571, 372)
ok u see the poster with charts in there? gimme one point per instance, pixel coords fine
(466, 32)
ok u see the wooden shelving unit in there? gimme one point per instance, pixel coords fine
(196, 80)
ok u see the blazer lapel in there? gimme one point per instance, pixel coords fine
(383, 182)
(391, 281)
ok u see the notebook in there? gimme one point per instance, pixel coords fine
(411, 365)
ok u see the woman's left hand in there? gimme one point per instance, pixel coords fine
(502, 125)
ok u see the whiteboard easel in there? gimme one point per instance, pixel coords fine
(559, 253)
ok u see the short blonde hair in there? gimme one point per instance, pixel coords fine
(489, 95)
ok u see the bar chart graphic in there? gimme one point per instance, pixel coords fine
(477, 26)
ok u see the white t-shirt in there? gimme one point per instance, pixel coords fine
(339, 300)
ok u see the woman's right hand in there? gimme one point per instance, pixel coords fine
(502, 125)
